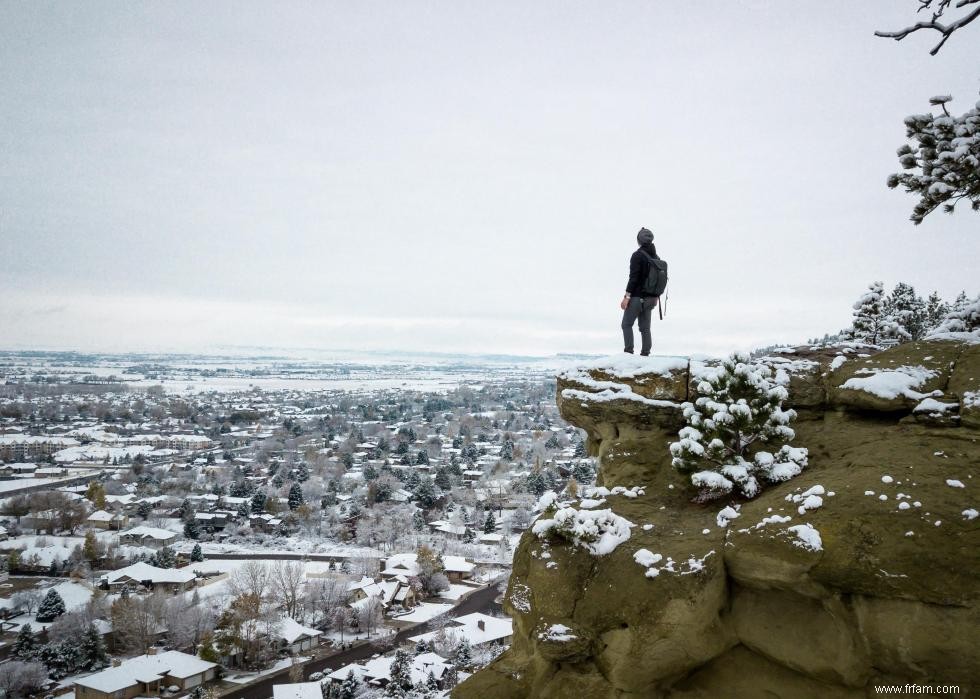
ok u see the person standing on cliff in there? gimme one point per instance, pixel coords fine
(637, 306)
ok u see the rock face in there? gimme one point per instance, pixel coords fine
(878, 585)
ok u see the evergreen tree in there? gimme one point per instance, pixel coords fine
(553, 442)
(51, 607)
(164, 558)
(936, 310)
(583, 472)
(144, 509)
(258, 502)
(535, 484)
(580, 451)
(425, 493)
(350, 687)
(244, 509)
(871, 321)
(908, 310)
(401, 675)
(442, 479)
(90, 548)
(507, 449)
(468, 536)
(450, 678)
(26, 646)
(463, 655)
(740, 406)
(490, 524)
(192, 530)
(196, 554)
(422, 458)
(92, 650)
(963, 318)
(295, 496)
(303, 472)
(418, 521)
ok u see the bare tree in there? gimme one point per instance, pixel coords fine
(187, 623)
(251, 578)
(20, 679)
(28, 600)
(286, 578)
(937, 8)
(369, 615)
(136, 621)
(324, 595)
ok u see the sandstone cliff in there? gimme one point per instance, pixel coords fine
(879, 583)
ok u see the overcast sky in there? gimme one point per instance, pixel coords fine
(460, 176)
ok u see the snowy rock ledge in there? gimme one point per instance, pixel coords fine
(806, 589)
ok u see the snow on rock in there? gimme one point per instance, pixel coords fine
(603, 492)
(628, 366)
(837, 362)
(809, 499)
(546, 500)
(887, 479)
(954, 483)
(520, 597)
(806, 537)
(970, 513)
(933, 406)
(558, 633)
(649, 560)
(599, 531)
(726, 515)
(892, 383)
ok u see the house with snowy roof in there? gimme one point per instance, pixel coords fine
(377, 671)
(100, 519)
(153, 537)
(146, 676)
(152, 578)
(476, 628)
(394, 591)
(293, 637)
(297, 690)
(404, 564)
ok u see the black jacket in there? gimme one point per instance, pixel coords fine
(640, 268)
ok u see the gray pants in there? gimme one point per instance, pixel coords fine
(639, 308)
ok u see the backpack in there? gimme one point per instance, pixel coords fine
(656, 280)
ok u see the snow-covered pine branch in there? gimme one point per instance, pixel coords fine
(942, 160)
(740, 406)
(938, 8)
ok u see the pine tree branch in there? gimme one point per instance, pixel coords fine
(946, 30)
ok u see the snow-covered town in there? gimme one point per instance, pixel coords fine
(315, 541)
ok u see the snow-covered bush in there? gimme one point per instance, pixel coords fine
(740, 406)
(872, 321)
(599, 531)
(964, 318)
(942, 161)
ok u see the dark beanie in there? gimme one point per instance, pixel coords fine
(644, 236)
